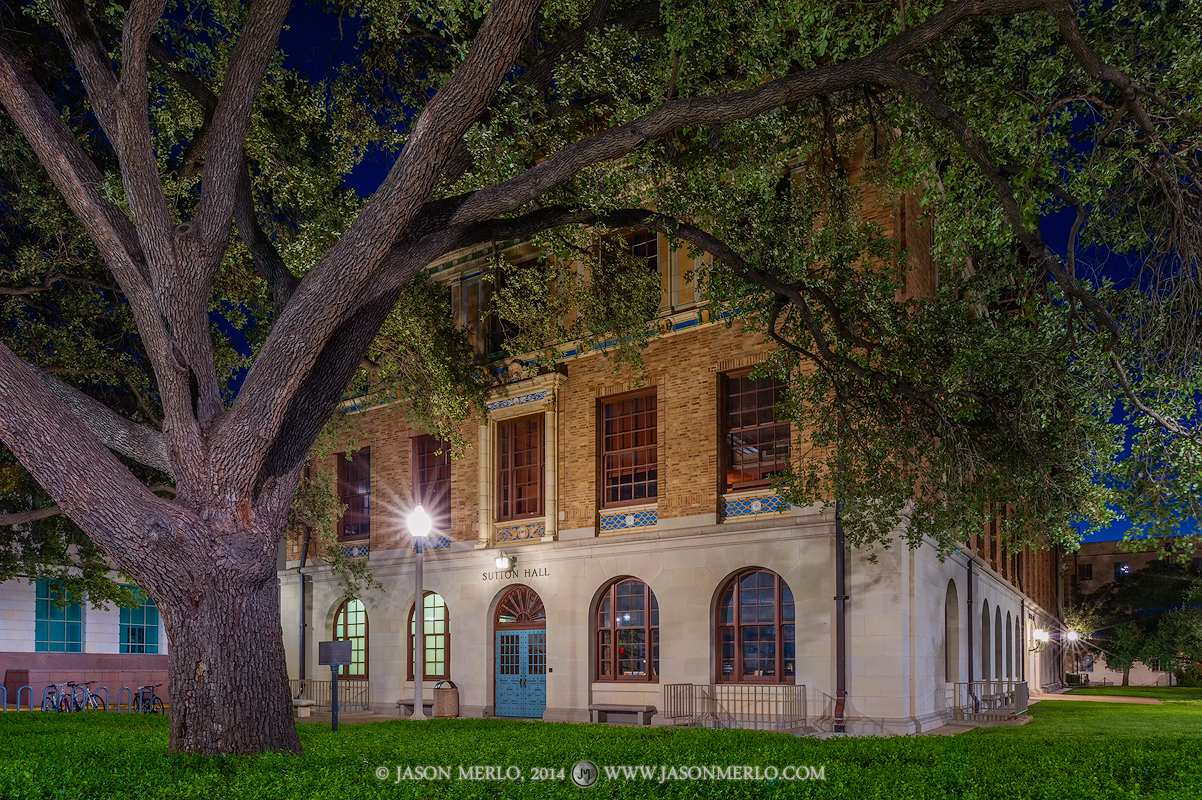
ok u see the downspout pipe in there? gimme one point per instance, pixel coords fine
(300, 575)
(840, 620)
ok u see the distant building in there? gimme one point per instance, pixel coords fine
(1087, 572)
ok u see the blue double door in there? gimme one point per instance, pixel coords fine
(521, 677)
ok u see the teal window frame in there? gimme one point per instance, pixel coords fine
(57, 629)
(140, 626)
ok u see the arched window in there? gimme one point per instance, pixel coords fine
(350, 625)
(756, 634)
(436, 643)
(627, 627)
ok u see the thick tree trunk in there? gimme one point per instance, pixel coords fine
(228, 679)
(1126, 676)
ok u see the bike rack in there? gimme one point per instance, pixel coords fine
(83, 704)
(57, 700)
(29, 695)
(130, 694)
(141, 697)
(106, 695)
(3, 697)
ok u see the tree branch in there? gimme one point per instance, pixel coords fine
(46, 512)
(303, 330)
(114, 431)
(80, 183)
(231, 121)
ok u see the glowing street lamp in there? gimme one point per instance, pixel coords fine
(1073, 636)
(419, 524)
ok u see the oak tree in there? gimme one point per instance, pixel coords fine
(198, 190)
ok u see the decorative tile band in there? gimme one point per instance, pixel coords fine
(634, 519)
(517, 401)
(437, 542)
(356, 550)
(518, 533)
(750, 506)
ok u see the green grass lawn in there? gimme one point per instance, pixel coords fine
(1065, 753)
(1165, 693)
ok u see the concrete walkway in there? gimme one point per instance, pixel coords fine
(1098, 698)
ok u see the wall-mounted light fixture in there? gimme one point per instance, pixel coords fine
(506, 562)
(1041, 638)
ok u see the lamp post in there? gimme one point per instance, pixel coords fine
(419, 523)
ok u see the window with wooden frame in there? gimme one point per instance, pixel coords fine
(350, 625)
(436, 641)
(756, 631)
(520, 468)
(638, 248)
(629, 454)
(354, 492)
(756, 445)
(432, 479)
(627, 630)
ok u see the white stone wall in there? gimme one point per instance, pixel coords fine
(895, 617)
(17, 614)
(101, 627)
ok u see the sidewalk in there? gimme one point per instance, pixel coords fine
(1097, 698)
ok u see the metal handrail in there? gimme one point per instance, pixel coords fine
(737, 705)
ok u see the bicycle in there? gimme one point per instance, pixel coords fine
(149, 703)
(55, 699)
(89, 701)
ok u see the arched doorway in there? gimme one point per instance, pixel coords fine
(520, 627)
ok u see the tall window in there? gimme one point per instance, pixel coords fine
(436, 641)
(1121, 570)
(1085, 572)
(520, 468)
(756, 630)
(628, 633)
(756, 443)
(432, 479)
(354, 492)
(350, 625)
(57, 628)
(628, 451)
(140, 626)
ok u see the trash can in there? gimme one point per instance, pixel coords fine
(446, 699)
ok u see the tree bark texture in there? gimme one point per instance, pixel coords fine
(228, 681)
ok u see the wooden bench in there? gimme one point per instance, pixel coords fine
(600, 712)
(303, 707)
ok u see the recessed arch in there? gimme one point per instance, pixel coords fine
(997, 643)
(986, 662)
(951, 633)
(1009, 646)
